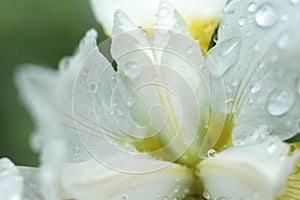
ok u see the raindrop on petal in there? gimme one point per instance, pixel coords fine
(266, 16)
(252, 7)
(280, 102)
(211, 153)
(283, 41)
(132, 70)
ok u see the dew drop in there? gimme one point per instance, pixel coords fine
(242, 21)
(132, 70)
(124, 197)
(211, 153)
(131, 101)
(166, 198)
(230, 6)
(298, 85)
(283, 41)
(206, 195)
(272, 148)
(189, 50)
(266, 16)
(93, 87)
(255, 88)
(279, 102)
(294, 1)
(228, 55)
(252, 7)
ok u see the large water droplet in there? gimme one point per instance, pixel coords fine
(266, 16)
(242, 21)
(283, 41)
(279, 102)
(206, 195)
(132, 70)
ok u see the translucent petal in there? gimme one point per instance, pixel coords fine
(144, 104)
(31, 183)
(11, 184)
(257, 57)
(91, 180)
(257, 171)
(143, 12)
(48, 96)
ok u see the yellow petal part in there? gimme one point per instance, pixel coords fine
(203, 29)
(292, 190)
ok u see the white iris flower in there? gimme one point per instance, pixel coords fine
(174, 119)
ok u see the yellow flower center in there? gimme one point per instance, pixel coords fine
(203, 30)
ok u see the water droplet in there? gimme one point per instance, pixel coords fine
(93, 87)
(230, 6)
(283, 41)
(124, 197)
(206, 195)
(163, 12)
(284, 18)
(235, 82)
(266, 16)
(132, 70)
(166, 198)
(272, 148)
(131, 101)
(242, 21)
(279, 102)
(294, 1)
(252, 7)
(228, 54)
(189, 50)
(211, 153)
(255, 88)
(298, 85)
(119, 112)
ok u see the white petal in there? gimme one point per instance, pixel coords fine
(257, 55)
(249, 172)
(11, 184)
(142, 12)
(91, 180)
(48, 96)
(158, 81)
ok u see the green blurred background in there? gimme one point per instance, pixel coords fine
(39, 32)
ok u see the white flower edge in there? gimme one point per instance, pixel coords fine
(191, 9)
(257, 171)
(11, 184)
(91, 180)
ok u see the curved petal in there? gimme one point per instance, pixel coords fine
(257, 55)
(201, 15)
(91, 180)
(256, 171)
(11, 184)
(48, 96)
(145, 102)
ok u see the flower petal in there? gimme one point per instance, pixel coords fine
(94, 181)
(202, 16)
(48, 96)
(11, 184)
(142, 103)
(256, 171)
(257, 57)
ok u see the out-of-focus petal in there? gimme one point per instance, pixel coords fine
(257, 171)
(11, 182)
(91, 180)
(257, 55)
(48, 96)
